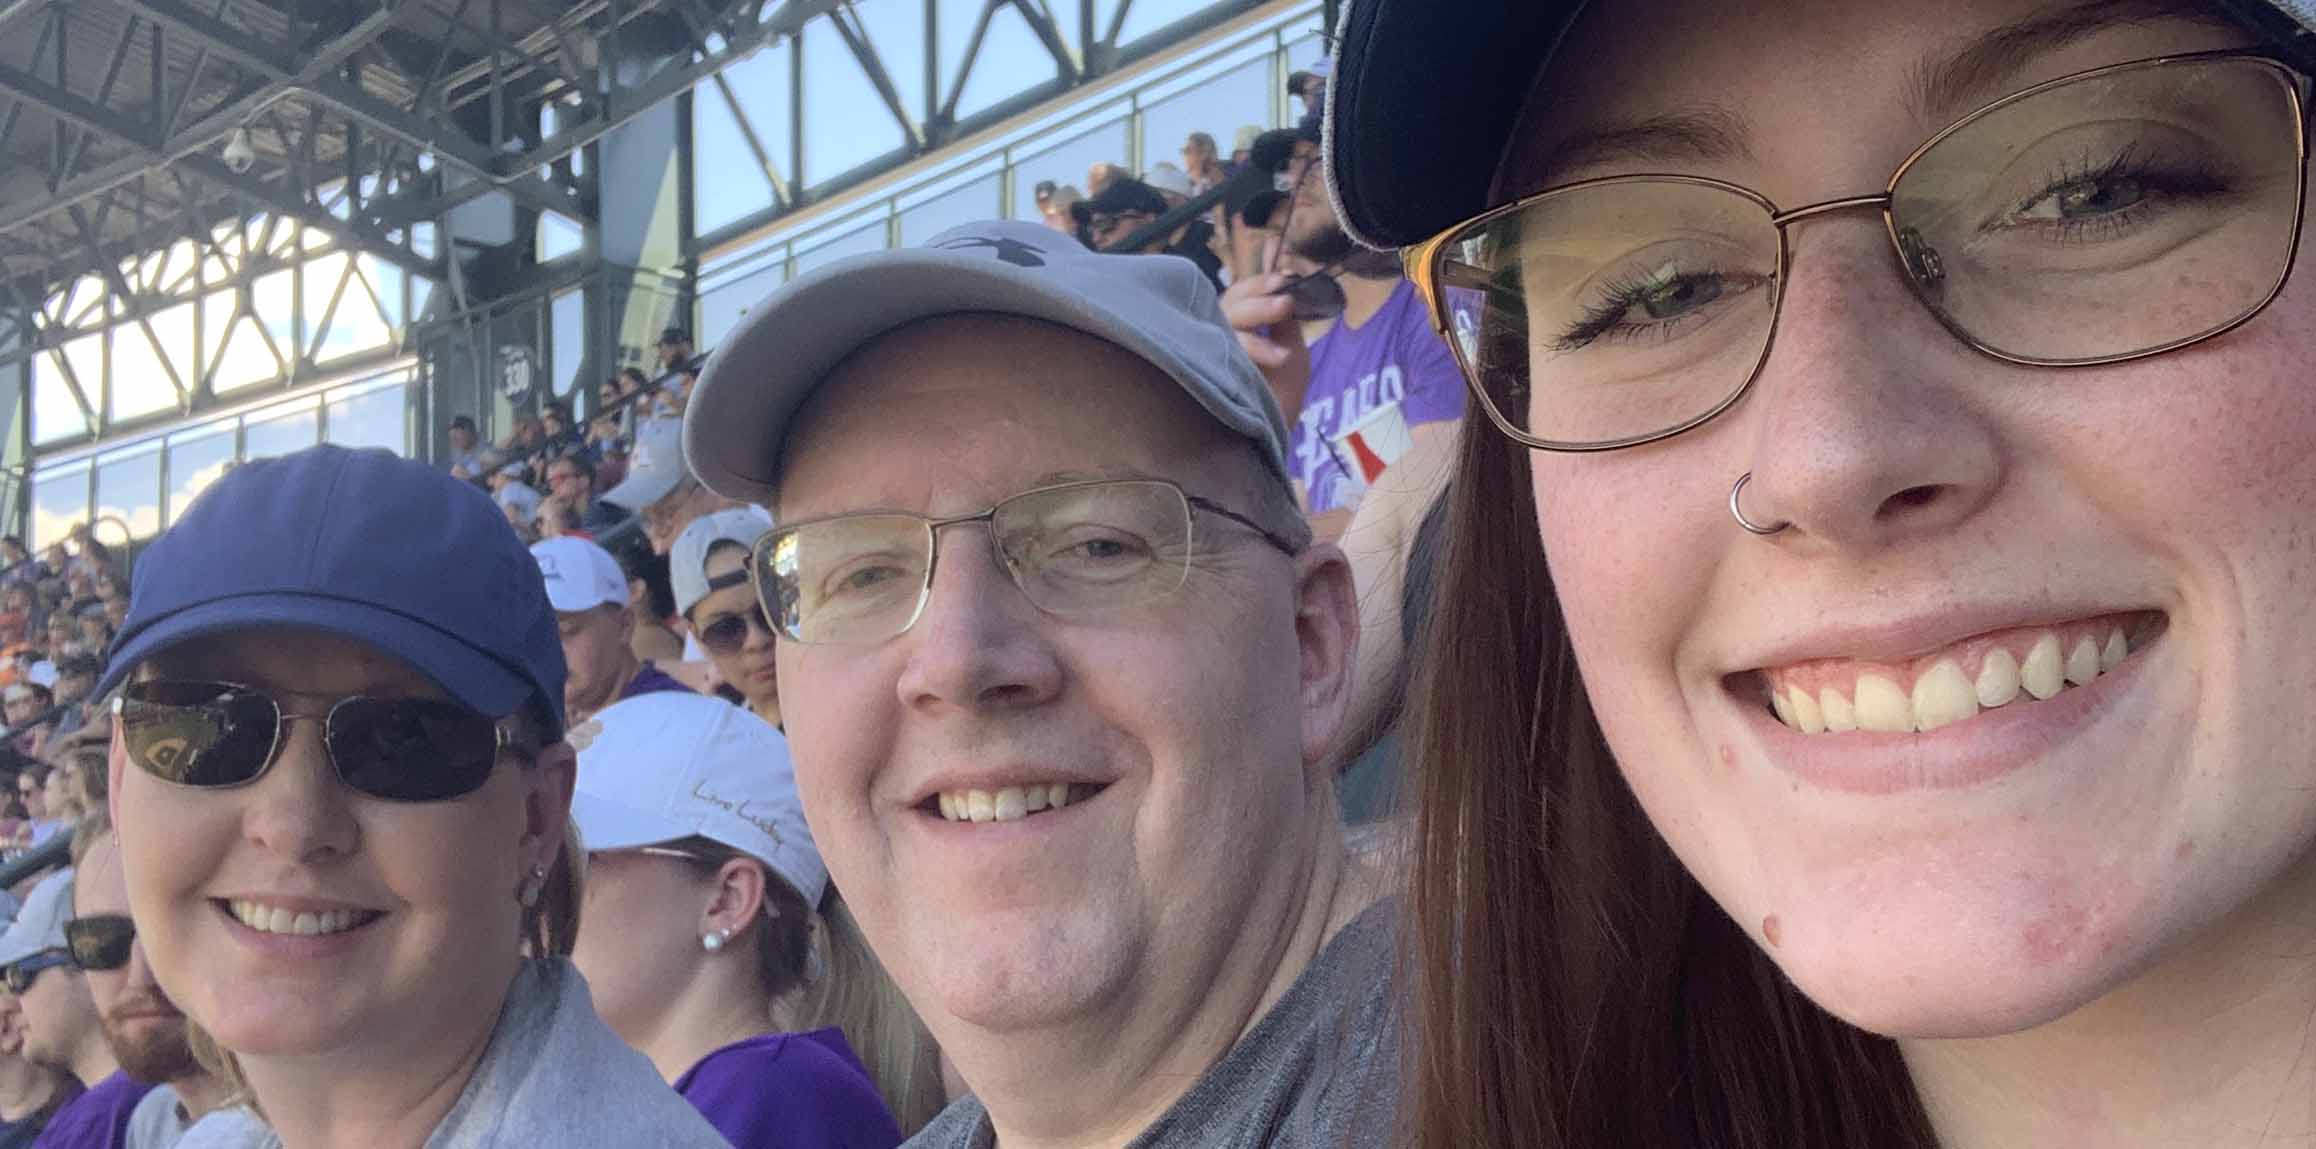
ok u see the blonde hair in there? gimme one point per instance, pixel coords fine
(855, 994)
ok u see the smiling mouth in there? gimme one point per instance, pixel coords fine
(1999, 670)
(267, 919)
(1007, 803)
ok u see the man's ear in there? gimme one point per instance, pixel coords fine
(1327, 630)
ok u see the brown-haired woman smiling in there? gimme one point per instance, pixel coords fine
(1893, 732)
(342, 789)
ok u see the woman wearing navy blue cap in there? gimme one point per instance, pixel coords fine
(342, 791)
(1872, 694)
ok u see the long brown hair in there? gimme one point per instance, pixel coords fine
(1571, 984)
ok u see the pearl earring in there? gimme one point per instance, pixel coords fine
(533, 884)
(712, 942)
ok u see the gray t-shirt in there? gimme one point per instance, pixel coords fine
(157, 1122)
(554, 1075)
(1319, 1071)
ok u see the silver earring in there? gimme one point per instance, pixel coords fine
(714, 940)
(1737, 511)
(533, 883)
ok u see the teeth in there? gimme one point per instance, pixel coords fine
(2043, 674)
(1943, 697)
(1997, 679)
(1806, 714)
(1005, 804)
(1882, 707)
(1839, 717)
(1944, 694)
(274, 920)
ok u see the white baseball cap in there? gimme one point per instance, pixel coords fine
(1168, 178)
(687, 561)
(654, 468)
(39, 925)
(1160, 308)
(662, 767)
(579, 575)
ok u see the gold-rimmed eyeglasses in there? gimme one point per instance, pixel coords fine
(1073, 549)
(2106, 216)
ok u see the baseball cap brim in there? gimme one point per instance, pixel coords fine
(641, 489)
(755, 381)
(474, 679)
(1409, 160)
(607, 825)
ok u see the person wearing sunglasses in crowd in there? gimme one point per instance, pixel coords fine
(1071, 775)
(1878, 712)
(63, 1029)
(31, 1094)
(341, 790)
(699, 936)
(708, 570)
(143, 1028)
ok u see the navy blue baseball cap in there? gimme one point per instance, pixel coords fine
(367, 546)
(1427, 94)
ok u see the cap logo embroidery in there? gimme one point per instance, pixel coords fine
(1011, 251)
(547, 568)
(738, 810)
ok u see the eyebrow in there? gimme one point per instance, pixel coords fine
(1938, 90)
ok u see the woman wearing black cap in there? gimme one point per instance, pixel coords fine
(1894, 732)
(342, 791)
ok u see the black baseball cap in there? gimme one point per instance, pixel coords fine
(1120, 196)
(674, 335)
(1409, 159)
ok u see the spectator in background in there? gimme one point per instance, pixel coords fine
(95, 630)
(116, 612)
(557, 435)
(650, 600)
(1085, 813)
(1250, 214)
(1114, 216)
(30, 1094)
(92, 559)
(16, 619)
(571, 478)
(1170, 183)
(63, 633)
(1311, 88)
(516, 499)
(24, 704)
(589, 594)
(555, 520)
(62, 1029)
(32, 792)
(1202, 162)
(61, 797)
(1056, 205)
(16, 565)
(1242, 145)
(708, 569)
(1381, 370)
(660, 487)
(703, 896)
(144, 1029)
(467, 458)
(1100, 176)
(675, 358)
(76, 675)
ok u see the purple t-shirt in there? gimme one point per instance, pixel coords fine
(97, 1119)
(1394, 357)
(805, 1090)
(652, 680)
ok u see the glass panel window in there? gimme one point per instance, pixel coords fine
(271, 434)
(128, 488)
(567, 338)
(371, 416)
(197, 458)
(972, 203)
(59, 502)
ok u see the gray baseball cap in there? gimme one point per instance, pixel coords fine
(687, 560)
(1158, 307)
(39, 925)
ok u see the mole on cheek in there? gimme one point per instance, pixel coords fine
(1772, 930)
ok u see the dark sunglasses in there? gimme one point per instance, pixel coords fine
(729, 633)
(19, 975)
(100, 942)
(216, 735)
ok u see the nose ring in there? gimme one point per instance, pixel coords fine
(1737, 511)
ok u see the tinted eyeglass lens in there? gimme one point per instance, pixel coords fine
(2114, 214)
(411, 749)
(728, 634)
(2111, 215)
(197, 733)
(20, 976)
(100, 942)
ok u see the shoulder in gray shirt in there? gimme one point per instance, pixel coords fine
(1319, 1071)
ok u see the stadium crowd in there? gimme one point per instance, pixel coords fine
(1365, 639)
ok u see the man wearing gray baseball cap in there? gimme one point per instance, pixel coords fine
(1062, 669)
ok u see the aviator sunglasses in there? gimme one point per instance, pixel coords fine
(218, 735)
